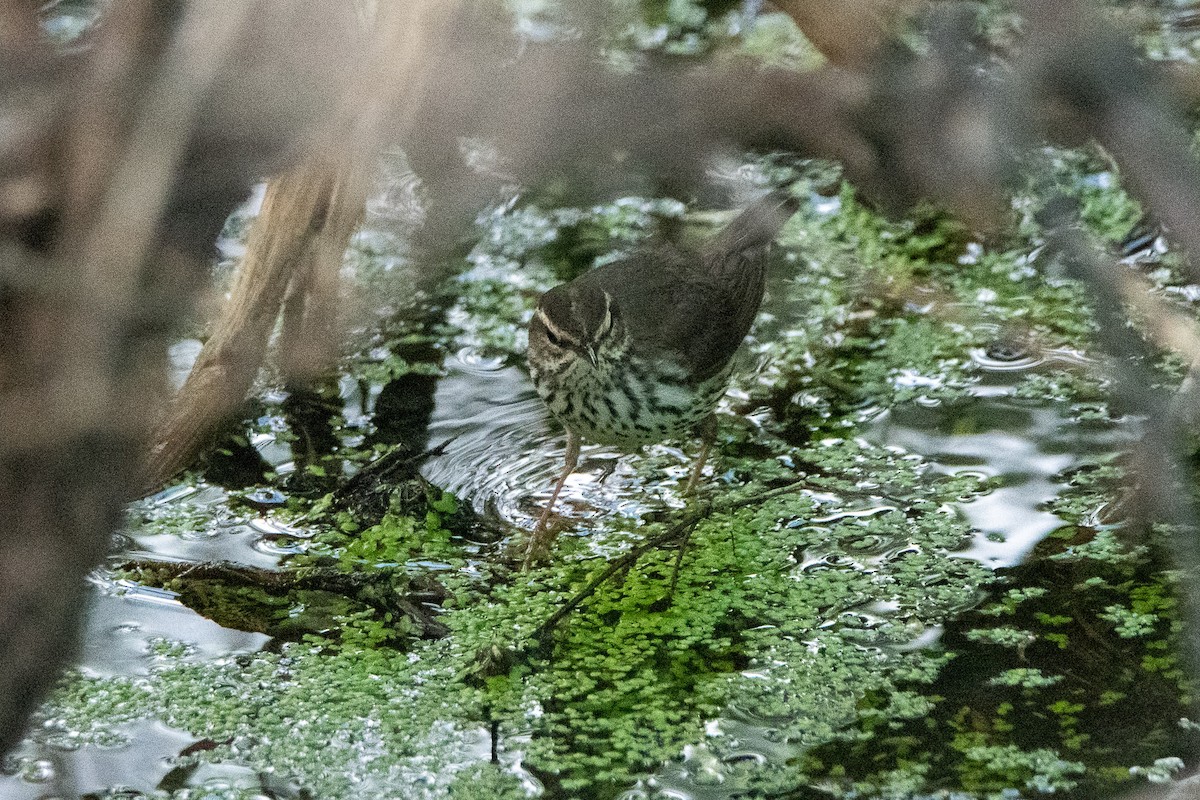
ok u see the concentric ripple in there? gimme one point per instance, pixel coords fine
(505, 453)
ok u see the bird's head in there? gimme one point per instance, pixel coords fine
(572, 321)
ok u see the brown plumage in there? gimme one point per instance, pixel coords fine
(640, 350)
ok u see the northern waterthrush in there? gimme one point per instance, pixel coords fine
(640, 350)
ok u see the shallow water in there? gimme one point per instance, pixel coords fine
(505, 453)
(497, 450)
(502, 456)
(1023, 446)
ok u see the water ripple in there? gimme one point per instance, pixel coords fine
(507, 453)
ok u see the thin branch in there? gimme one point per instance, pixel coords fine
(681, 529)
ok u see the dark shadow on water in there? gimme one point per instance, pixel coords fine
(1046, 663)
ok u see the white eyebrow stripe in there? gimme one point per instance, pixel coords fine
(606, 325)
(550, 326)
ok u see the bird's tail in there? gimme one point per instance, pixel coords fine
(756, 227)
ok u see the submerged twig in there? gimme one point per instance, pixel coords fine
(624, 562)
(418, 600)
(680, 530)
(383, 474)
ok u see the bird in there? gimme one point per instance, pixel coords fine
(640, 350)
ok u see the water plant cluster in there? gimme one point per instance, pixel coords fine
(817, 623)
(810, 626)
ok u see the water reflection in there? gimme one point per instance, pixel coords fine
(123, 621)
(505, 453)
(1024, 446)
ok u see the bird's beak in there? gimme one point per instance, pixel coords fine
(590, 352)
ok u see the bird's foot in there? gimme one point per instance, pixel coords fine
(607, 471)
(708, 434)
(695, 478)
(538, 546)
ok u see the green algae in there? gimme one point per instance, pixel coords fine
(626, 680)
(793, 607)
(93, 710)
(1023, 677)
(485, 782)
(794, 614)
(203, 512)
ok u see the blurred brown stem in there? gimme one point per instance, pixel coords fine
(848, 32)
(298, 209)
(112, 188)
(295, 251)
(310, 335)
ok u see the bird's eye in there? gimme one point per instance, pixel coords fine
(554, 338)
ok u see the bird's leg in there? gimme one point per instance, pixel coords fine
(708, 434)
(607, 471)
(542, 537)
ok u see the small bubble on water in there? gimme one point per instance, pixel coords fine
(38, 771)
(279, 545)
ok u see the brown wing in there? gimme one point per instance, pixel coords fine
(697, 307)
(674, 310)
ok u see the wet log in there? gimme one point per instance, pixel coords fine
(393, 591)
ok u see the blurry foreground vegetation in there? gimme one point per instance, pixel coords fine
(792, 614)
(822, 634)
